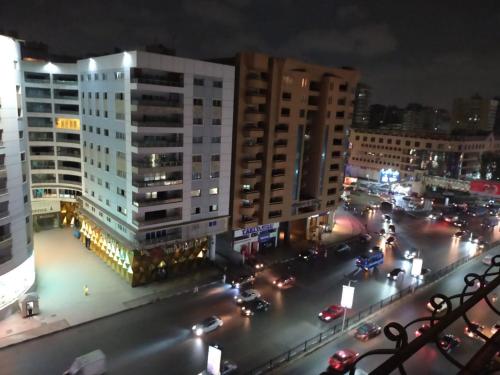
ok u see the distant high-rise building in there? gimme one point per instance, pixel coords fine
(362, 105)
(422, 118)
(17, 261)
(382, 116)
(290, 140)
(473, 114)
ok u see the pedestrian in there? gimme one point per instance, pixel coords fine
(195, 290)
(85, 290)
(224, 279)
(30, 311)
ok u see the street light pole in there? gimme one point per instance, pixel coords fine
(345, 307)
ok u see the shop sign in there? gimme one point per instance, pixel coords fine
(485, 187)
(256, 230)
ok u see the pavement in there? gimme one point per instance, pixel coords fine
(64, 266)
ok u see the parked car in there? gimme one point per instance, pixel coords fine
(410, 254)
(237, 281)
(342, 360)
(283, 282)
(382, 232)
(247, 295)
(422, 329)
(256, 305)
(449, 342)
(396, 273)
(208, 325)
(441, 307)
(309, 254)
(331, 312)
(471, 331)
(367, 331)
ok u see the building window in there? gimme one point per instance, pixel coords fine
(121, 210)
(196, 175)
(197, 121)
(216, 121)
(197, 158)
(215, 139)
(340, 128)
(212, 208)
(196, 210)
(213, 191)
(285, 112)
(217, 84)
(199, 82)
(217, 103)
(197, 101)
(196, 193)
(197, 140)
(337, 142)
(106, 132)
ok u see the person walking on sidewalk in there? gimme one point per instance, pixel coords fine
(85, 290)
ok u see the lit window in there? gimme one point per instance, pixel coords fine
(196, 193)
(213, 191)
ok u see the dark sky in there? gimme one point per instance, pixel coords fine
(407, 50)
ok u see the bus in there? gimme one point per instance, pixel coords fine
(370, 260)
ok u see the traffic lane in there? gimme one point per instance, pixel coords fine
(411, 308)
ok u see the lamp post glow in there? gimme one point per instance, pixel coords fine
(416, 270)
(346, 300)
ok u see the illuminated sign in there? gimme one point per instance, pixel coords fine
(347, 296)
(67, 123)
(259, 228)
(388, 176)
(416, 267)
(213, 362)
(485, 187)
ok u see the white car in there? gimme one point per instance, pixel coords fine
(208, 325)
(247, 296)
(487, 259)
(440, 309)
(410, 254)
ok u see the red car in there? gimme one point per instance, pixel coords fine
(342, 360)
(331, 312)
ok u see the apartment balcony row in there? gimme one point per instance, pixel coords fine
(57, 79)
(157, 102)
(149, 143)
(150, 121)
(157, 183)
(250, 194)
(256, 96)
(251, 178)
(254, 115)
(156, 77)
(143, 202)
(253, 131)
(159, 217)
(248, 221)
(252, 162)
(248, 209)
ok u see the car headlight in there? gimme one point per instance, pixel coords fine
(237, 285)
(320, 314)
(274, 282)
(193, 328)
(327, 317)
(388, 275)
(280, 284)
(198, 332)
(394, 277)
(239, 300)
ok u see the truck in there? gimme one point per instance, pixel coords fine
(93, 363)
(370, 260)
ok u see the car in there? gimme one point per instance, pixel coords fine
(449, 342)
(284, 281)
(257, 305)
(208, 325)
(450, 218)
(247, 295)
(374, 205)
(390, 241)
(494, 328)
(365, 237)
(342, 360)
(386, 218)
(440, 309)
(331, 312)
(423, 273)
(367, 331)
(460, 223)
(396, 273)
(255, 264)
(342, 247)
(392, 228)
(488, 259)
(482, 244)
(237, 281)
(382, 232)
(422, 329)
(309, 254)
(434, 216)
(476, 238)
(460, 234)
(410, 254)
(470, 331)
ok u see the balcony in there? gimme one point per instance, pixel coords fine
(171, 121)
(256, 96)
(65, 79)
(252, 163)
(280, 144)
(253, 146)
(156, 202)
(279, 161)
(276, 200)
(141, 221)
(156, 77)
(158, 165)
(255, 81)
(250, 178)
(252, 115)
(146, 184)
(250, 194)
(248, 221)
(247, 209)
(253, 131)
(148, 143)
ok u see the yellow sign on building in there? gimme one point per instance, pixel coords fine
(67, 123)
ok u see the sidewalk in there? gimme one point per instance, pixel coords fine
(64, 266)
(347, 227)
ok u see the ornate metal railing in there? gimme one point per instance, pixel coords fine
(481, 363)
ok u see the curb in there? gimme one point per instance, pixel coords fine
(147, 302)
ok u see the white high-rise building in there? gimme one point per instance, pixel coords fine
(156, 145)
(17, 264)
(51, 115)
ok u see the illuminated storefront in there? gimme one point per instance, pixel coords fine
(16, 282)
(250, 241)
(142, 266)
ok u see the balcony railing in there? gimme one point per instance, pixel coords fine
(157, 103)
(144, 143)
(149, 164)
(166, 219)
(140, 184)
(157, 80)
(156, 202)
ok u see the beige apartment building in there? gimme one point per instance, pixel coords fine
(390, 156)
(291, 121)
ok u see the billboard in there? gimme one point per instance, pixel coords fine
(387, 176)
(347, 296)
(213, 362)
(485, 187)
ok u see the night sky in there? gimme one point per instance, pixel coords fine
(408, 51)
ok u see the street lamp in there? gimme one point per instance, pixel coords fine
(346, 299)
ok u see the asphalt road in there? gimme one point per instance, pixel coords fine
(428, 360)
(157, 339)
